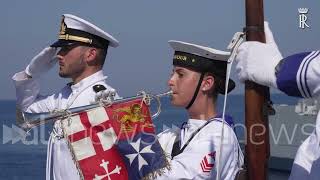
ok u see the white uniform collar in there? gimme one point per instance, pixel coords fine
(87, 80)
(195, 122)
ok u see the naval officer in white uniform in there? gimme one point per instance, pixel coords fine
(197, 78)
(297, 75)
(81, 55)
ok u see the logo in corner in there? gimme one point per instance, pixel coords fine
(303, 18)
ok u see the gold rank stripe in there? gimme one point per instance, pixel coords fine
(75, 38)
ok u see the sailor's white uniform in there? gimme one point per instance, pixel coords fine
(198, 160)
(72, 30)
(197, 155)
(299, 75)
(80, 94)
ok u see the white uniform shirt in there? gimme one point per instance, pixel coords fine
(299, 75)
(80, 94)
(198, 160)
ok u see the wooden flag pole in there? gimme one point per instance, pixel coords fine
(256, 99)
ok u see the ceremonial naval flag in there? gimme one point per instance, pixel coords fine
(115, 142)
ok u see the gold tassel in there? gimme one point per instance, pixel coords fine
(161, 171)
(72, 151)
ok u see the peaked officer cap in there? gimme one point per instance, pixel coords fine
(74, 29)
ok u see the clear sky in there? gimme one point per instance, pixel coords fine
(143, 27)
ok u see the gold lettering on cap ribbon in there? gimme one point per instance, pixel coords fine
(180, 57)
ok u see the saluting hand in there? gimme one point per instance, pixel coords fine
(42, 62)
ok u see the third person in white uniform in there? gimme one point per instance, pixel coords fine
(296, 75)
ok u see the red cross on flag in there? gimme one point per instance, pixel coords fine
(93, 138)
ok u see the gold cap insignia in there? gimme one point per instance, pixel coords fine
(63, 27)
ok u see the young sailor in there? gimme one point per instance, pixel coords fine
(297, 75)
(83, 48)
(198, 77)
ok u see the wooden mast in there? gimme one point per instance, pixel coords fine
(256, 98)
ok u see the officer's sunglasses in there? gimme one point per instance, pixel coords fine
(67, 48)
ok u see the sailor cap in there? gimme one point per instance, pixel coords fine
(202, 59)
(74, 29)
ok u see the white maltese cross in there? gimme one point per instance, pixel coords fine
(141, 160)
